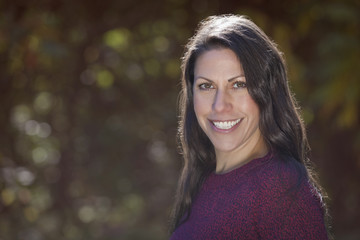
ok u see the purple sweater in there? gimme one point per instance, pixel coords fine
(255, 202)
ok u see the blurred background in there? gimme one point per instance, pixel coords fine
(88, 119)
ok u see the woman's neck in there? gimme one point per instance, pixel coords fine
(228, 161)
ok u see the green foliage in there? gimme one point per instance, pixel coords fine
(117, 39)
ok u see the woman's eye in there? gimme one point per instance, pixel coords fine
(205, 86)
(239, 85)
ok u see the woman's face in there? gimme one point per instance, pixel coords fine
(223, 106)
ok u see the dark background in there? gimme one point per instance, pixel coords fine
(88, 115)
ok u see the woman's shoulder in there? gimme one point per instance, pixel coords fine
(285, 181)
(282, 174)
(288, 204)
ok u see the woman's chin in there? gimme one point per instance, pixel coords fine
(224, 147)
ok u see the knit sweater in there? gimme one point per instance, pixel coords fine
(260, 200)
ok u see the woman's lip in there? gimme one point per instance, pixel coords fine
(231, 120)
(225, 130)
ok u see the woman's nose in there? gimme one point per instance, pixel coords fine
(222, 101)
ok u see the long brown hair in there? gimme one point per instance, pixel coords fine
(267, 83)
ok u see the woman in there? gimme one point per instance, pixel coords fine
(245, 174)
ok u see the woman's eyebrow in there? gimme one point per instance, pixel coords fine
(229, 80)
(233, 78)
(207, 79)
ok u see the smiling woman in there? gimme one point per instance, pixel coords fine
(225, 110)
(246, 173)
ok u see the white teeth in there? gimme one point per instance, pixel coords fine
(226, 125)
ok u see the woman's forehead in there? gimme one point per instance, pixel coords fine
(218, 62)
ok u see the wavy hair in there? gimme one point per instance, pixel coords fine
(266, 79)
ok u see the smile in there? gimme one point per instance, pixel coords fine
(225, 125)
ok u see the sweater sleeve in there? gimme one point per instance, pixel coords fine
(288, 210)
